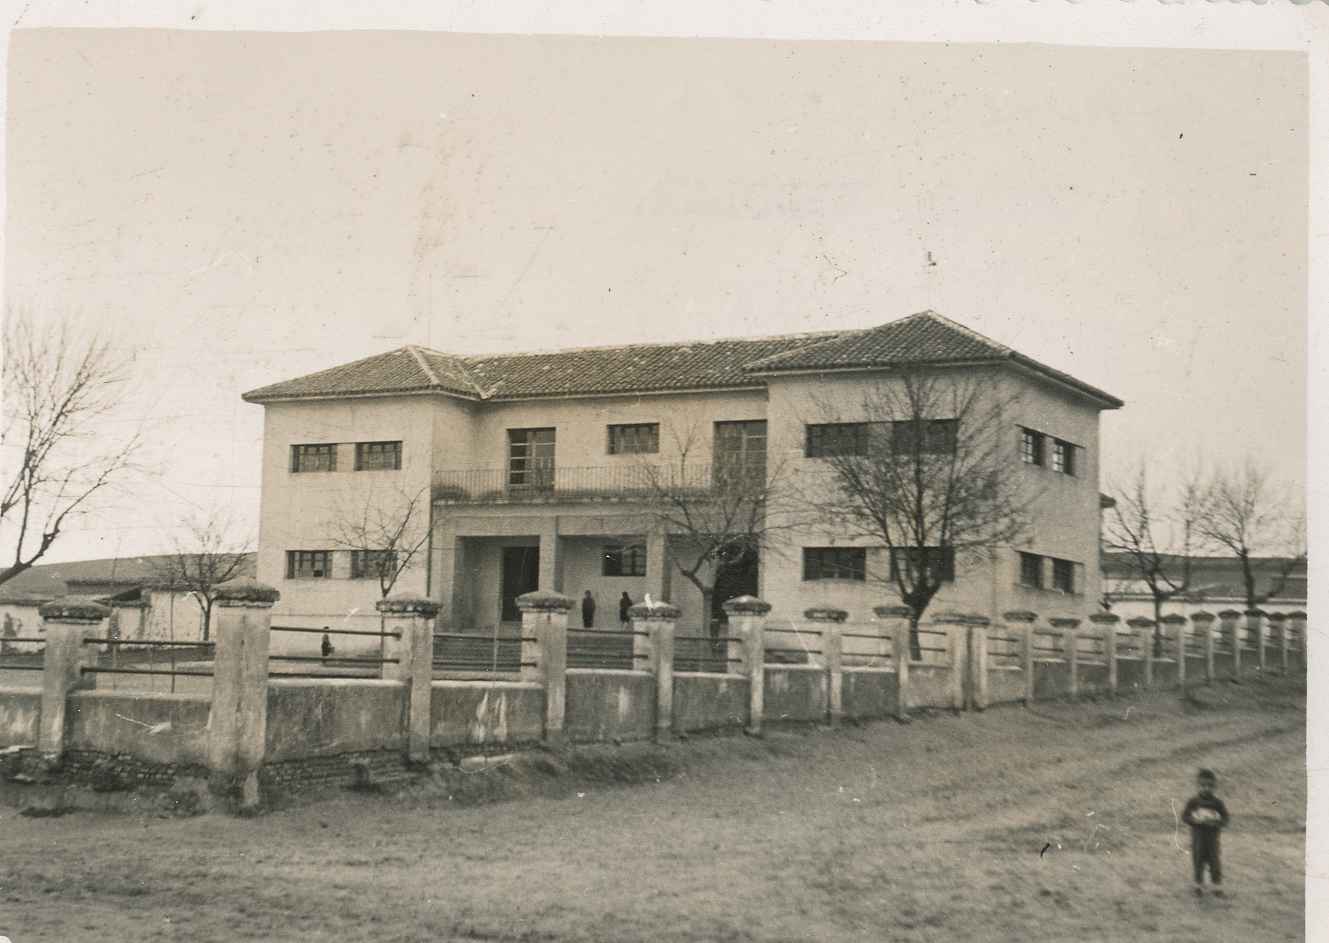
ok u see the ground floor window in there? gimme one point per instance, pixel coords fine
(940, 562)
(371, 564)
(834, 563)
(308, 564)
(629, 560)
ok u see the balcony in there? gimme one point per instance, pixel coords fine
(602, 483)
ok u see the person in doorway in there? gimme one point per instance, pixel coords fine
(624, 605)
(588, 611)
(1207, 816)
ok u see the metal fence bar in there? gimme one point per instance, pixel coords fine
(297, 628)
(347, 661)
(144, 671)
(147, 643)
(610, 633)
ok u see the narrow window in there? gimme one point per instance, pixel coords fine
(531, 458)
(1063, 457)
(314, 458)
(1063, 575)
(1031, 447)
(377, 456)
(629, 560)
(307, 564)
(834, 563)
(1031, 570)
(639, 438)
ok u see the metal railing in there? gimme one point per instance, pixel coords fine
(594, 483)
(708, 654)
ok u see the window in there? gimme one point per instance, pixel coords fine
(837, 438)
(834, 563)
(1063, 457)
(624, 561)
(372, 456)
(1031, 447)
(928, 436)
(314, 458)
(371, 564)
(940, 562)
(639, 438)
(1031, 570)
(740, 451)
(1063, 575)
(308, 564)
(531, 458)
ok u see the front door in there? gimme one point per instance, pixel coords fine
(521, 574)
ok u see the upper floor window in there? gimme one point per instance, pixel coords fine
(314, 458)
(531, 458)
(370, 456)
(629, 560)
(308, 564)
(1063, 457)
(834, 563)
(836, 438)
(1031, 570)
(1063, 575)
(940, 562)
(372, 564)
(929, 436)
(638, 438)
(1031, 446)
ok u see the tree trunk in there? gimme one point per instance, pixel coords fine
(915, 645)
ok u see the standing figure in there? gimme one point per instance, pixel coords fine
(588, 611)
(624, 605)
(326, 647)
(1207, 816)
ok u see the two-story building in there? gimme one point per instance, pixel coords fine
(534, 467)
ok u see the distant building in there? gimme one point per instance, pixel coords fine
(1216, 584)
(142, 607)
(530, 460)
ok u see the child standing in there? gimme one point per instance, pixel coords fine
(1207, 817)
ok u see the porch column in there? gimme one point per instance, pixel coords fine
(545, 616)
(747, 620)
(410, 618)
(67, 624)
(1230, 629)
(897, 631)
(1257, 627)
(1204, 623)
(450, 590)
(830, 622)
(551, 558)
(1144, 631)
(1022, 622)
(657, 566)
(237, 723)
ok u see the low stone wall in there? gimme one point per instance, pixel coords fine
(1005, 685)
(1052, 679)
(1194, 669)
(868, 692)
(1092, 678)
(20, 712)
(709, 701)
(1222, 666)
(796, 693)
(167, 729)
(486, 713)
(343, 769)
(322, 717)
(1130, 674)
(609, 705)
(930, 686)
(1165, 673)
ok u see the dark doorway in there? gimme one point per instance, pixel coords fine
(521, 574)
(736, 575)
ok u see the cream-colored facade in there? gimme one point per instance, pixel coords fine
(473, 566)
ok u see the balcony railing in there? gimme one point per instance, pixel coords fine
(600, 483)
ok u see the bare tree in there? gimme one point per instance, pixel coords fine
(57, 390)
(1259, 523)
(1158, 538)
(922, 463)
(208, 555)
(385, 535)
(717, 516)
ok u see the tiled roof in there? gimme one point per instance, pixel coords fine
(926, 337)
(51, 580)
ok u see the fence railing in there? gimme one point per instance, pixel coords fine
(581, 483)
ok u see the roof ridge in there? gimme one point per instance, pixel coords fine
(424, 365)
(467, 358)
(957, 326)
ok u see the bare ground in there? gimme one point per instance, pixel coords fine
(1048, 825)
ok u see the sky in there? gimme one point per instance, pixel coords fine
(235, 209)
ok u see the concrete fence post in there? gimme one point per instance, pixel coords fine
(1278, 624)
(1230, 628)
(544, 615)
(238, 721)
(1071, 645)
(411, 618)
(1144, 631)
(659, 620)
(899, 635)
(1204, 624)
(1176, 626)
(956, 628)
(1022, 621)
(747, 620)
(1257, 627)
(978, 665)
(1107, 623)
(67, 624)
(1296, 629)
(831, 623)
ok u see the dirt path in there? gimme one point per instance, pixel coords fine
(1052, 825)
